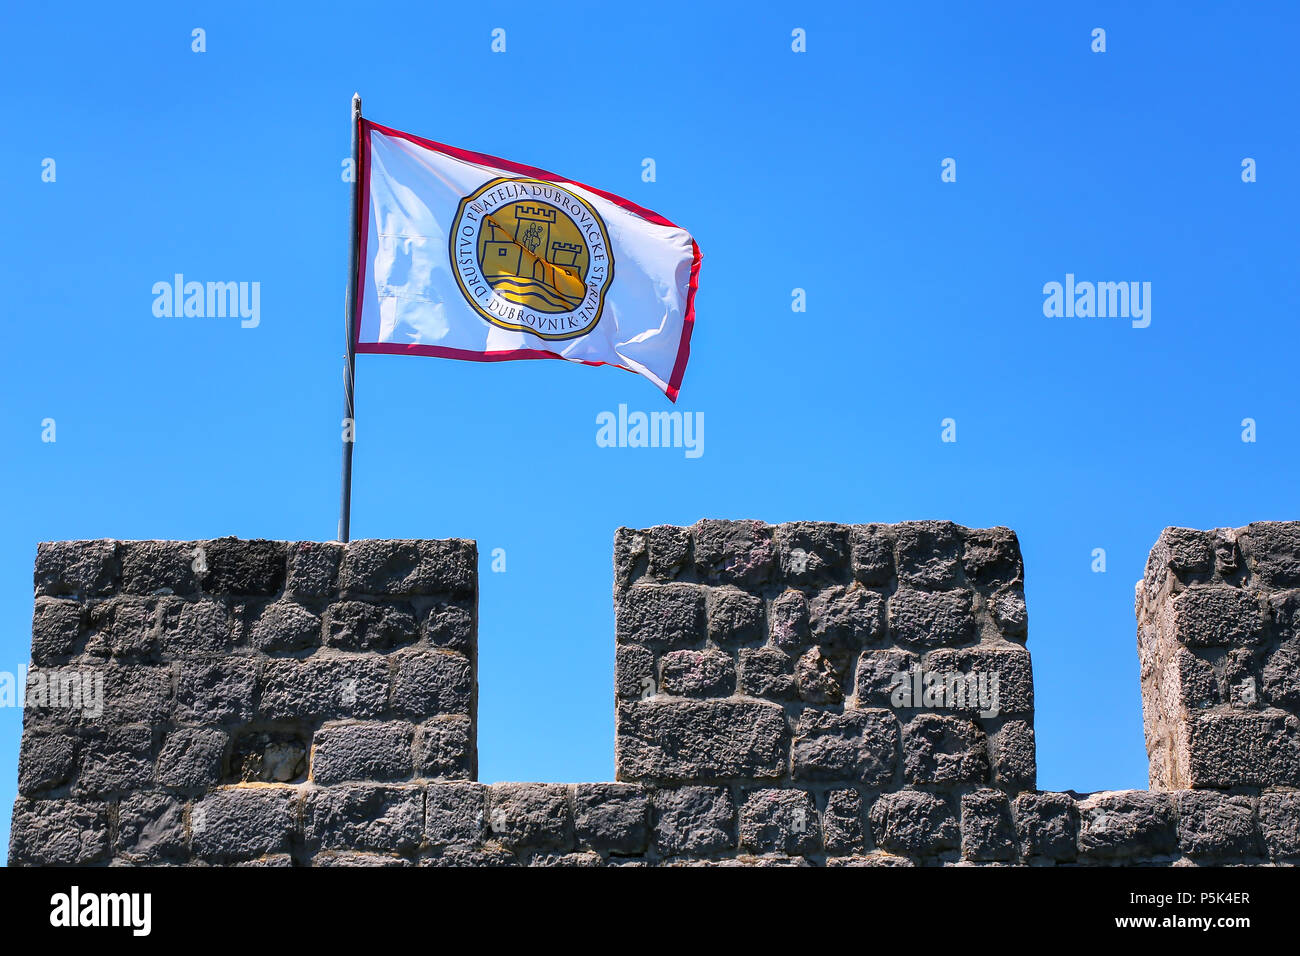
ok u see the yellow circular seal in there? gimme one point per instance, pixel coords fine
(532, 257)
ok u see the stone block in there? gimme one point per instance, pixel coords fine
(410, 568)
(368, 750)
(681, 739)
(612, 818)
(367, 818)
(694, 821)
(779, 821)
(661, 615)
(856, 746)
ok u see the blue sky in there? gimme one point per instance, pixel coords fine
(818, 171)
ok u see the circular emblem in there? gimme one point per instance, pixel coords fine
(532, 257)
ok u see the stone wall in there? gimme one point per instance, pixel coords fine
(221, 700)
(798, 694)
(1219, 646)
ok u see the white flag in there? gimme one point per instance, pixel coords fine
(467, 256)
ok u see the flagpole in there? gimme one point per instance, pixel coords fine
(349, 310)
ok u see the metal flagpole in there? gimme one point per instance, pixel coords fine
(349, 309)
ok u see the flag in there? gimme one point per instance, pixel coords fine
(467, 256)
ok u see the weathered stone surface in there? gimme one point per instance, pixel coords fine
(358, 626)
(929, 554)
(668, 551)
(629, 557)
(1272, 549)
(383, 819)
(734, 616)
(313, 569)
(992, 558)
(931, 618)
(58, 833)
(151, 829)
(1243, 748)
(123, 627)
(880, 673)
(1280, 678)
(217, 691)
(1187, 553)
(914, 822)
(612, 818)
(871, 860)
(268, 756)
(812, 552)
(1010, 614)
(427, 683)
(1217, 616)
(1013, 753)
(338, 693)
(200, 628)
(842, 831)
(159, 567)
(334, 858)
(817, 678)
(99, 696)
(1216, 825)
(444, 749)
(410, 568)
(698, 821)
(48, 759)
(779, 821)
(1127, 823)
(997, 675)
(859, 746)
(362, 751)
(1279, 824)
(284, 626)
(80, 569)
(132, 694)
(635, 677)
(788, 621)
(662, 615)
(945, 750)
(241, 823)
(450, 627)
(455, 814)
(191, 758)
(57, 628)
(676, 739)
(236, 566)
(734, 552)
(698, 674)
(531, 815)
(766, 672)
(115, 760)
(847, 617)
(871, 555)
(324, 688)
(1047, 825)
(987, 832)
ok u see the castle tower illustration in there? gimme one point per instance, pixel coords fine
(533, 232)
(530, 267)
(565, 255)
(501, 256)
